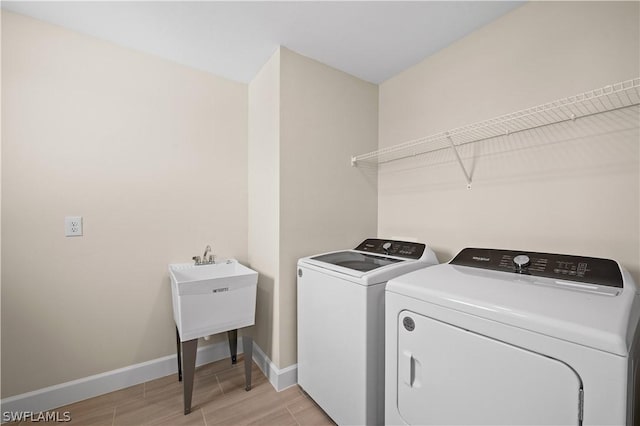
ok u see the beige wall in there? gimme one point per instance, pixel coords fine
(325, 204)
(305, 121)
(570, 188)
(264, 196)
(152, 154)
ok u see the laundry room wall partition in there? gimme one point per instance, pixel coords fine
(569, 187)
(305, 118)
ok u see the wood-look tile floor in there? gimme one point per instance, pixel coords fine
(219, 398)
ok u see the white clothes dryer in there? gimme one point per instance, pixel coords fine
(500, 337)
(341, 325)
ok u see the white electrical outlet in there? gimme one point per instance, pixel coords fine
(73, 226)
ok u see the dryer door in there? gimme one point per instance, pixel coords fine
(449, 375)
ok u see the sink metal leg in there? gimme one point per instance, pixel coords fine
(179, 351)
(189, 349)
(233, 345)
(187, 362)
(247, 347)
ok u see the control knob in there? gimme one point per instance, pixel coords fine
(386, 246)
(521, 262)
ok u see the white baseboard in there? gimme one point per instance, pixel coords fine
(88, 387)
(99, 384)
(280, 379)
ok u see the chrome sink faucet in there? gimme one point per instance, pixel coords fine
(204, 260)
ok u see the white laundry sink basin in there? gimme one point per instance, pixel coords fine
(210, 299)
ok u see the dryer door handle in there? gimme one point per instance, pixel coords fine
(409, 369)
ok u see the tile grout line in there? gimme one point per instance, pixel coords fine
(219, 385)
(204, 419)
(295, 419)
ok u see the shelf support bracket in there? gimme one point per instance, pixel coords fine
(455, 151)
(354, 162)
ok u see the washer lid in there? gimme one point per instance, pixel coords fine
(354, 260)
(364, 271)
(543, 305)
(373, 261)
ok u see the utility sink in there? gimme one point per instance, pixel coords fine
(213, 298)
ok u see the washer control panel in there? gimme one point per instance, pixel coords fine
(560, 266)
(405, 249)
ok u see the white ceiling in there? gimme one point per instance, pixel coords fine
(373, 40)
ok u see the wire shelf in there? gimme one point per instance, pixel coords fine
(609, 98)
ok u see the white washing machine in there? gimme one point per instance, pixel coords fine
(498, 337)
(341, 325)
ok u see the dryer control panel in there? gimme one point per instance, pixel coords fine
(582, 269)
(392, 248)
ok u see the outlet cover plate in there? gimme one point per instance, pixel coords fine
(73, 226)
